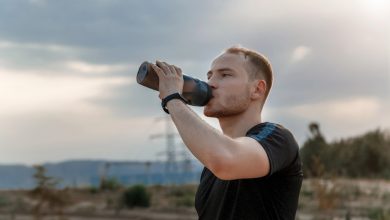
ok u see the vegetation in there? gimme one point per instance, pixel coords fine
(3, 201)
(182, 196)
(135, 196)
(364, 156)
(111, 184)
(320, 198)
(47, 197)
(324, 195)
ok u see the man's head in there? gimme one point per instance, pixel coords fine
(240, 78)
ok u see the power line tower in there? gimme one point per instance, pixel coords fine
(186, 158)
(187, 169)
(169, 135)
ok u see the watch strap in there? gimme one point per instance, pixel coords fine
(165, 100)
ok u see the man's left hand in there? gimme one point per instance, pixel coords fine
(170, 78)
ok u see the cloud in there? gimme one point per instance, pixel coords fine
(84, 67)
(376, 9)
(55, 48)
(23, 93)
(29, 56)
(38, 2)
(338, 118)
(299, 53)
(348, 111)
(94, 134)
(68, 68)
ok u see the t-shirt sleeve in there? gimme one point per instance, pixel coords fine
(279, 144)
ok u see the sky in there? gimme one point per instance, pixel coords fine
(67, 70)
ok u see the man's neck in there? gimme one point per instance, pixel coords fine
(237, 125)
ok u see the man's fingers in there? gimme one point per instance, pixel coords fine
(163, 66)
(178, 70)
(172, 69)
(157, 69)
(168, 69)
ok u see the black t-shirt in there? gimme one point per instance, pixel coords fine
(274, 196)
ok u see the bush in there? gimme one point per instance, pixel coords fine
(93, 190)
(363, 156)
(111, 184)
(136, 196)
(47, 197)
(182, 196)
(4, 202)
(379, 213)
(185, 201)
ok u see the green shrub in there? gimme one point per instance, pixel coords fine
(185, 200)
(370, 153)
(4, 202)
(136, 196)
(93, 190)
(379, 213)
(182, 196)
(111, 184)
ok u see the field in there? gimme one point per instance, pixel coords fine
(319, 199)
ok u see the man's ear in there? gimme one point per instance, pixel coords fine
(258, 89)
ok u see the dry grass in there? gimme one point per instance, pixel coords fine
(319, 199)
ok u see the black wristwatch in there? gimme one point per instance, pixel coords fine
(169, 98)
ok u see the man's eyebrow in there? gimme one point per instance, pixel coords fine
(220, 70)
(224, 69)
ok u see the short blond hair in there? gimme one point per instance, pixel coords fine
(260, 66)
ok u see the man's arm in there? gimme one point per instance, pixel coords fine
(226, 157)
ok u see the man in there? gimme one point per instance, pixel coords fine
(252, 169)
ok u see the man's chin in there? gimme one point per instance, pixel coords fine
(208, 113)
(212, 113)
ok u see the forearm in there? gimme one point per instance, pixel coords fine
(207, 144)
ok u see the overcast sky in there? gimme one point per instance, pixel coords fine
(67, 69)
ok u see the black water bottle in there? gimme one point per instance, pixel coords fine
(195, 91)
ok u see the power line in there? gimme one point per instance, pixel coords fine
(169, 135)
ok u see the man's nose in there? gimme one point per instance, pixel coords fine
(212, 83)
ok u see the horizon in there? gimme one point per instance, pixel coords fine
(154, 160)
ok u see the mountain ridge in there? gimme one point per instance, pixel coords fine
(84, 173)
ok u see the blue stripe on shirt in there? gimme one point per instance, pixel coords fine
(265, 132)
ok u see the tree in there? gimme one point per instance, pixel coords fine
(111, 184)
(314, 152)
(366, 155)
(46, 194)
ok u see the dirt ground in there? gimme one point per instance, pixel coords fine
(133, 215)
(320, 199)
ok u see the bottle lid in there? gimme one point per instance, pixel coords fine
(142, 72)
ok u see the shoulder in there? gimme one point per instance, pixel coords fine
(277, 141)
(268, 131)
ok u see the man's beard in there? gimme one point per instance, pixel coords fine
(235, 104)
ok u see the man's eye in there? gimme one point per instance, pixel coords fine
(225, 75)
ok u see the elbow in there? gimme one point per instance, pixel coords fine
(221, 168)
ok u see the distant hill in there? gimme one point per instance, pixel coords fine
(79, 173)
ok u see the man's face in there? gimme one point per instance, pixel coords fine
(228, 79)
